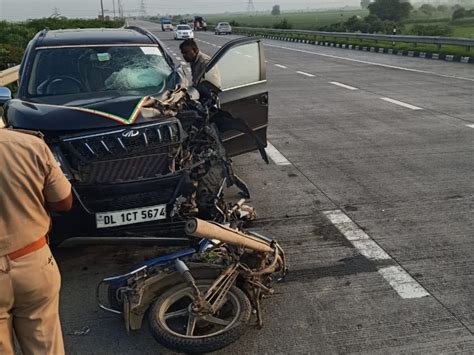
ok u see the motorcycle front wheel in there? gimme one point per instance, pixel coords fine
(174, 325)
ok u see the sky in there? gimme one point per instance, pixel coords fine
(16, 10)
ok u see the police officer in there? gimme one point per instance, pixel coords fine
(31, 185)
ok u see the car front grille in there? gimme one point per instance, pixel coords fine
(123, 201)
(122, 155)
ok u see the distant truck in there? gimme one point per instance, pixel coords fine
(199, 24)
(166, 24)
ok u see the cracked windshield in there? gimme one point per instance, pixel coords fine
(75, 70)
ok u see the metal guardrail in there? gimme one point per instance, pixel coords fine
(9, 75)
(439, 41)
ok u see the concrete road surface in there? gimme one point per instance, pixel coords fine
(371, 193)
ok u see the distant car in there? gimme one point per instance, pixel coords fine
(183, 32)
(166, 25)
(223, 27)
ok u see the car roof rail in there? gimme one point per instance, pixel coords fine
(41, 34)
(143, 32)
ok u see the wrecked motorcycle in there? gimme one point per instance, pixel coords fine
(201, 299)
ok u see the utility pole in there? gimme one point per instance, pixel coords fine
(102, 9)
(113, 5)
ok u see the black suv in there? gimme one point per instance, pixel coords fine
(84, 89)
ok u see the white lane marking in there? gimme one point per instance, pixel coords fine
(188, 69)
(405, 285)
(275, 155)
(470, 125)
(306, 74)
(248, 56)
(343, 85)
(403, 104)
(183, 63)
(398, 278)
(356, 236)
(280, 66)
(237, 52)
(372, 63)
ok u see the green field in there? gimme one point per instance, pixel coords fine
(314, 20)
(299, 20)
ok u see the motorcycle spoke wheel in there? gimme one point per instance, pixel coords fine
(184, 323)
(176, 326)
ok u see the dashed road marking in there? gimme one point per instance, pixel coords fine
(470, 125)
(306, 74)
(248, 56)
(371, 63)
(280, 66)
(343, 85)
(356, 236)
(183, 63)
(403, 104)
(275, 155)
(396, 276)
(402, 282)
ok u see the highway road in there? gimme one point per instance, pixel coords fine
(370, 191)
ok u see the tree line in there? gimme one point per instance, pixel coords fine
(14, 36)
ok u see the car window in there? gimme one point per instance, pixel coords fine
(75, 70)
(185, 27)
(239, 66)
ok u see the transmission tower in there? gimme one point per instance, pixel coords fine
(142, 11)
(120, 8)
(250, 6)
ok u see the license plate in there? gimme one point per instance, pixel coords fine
(132, 216)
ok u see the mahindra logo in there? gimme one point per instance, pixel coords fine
(130, 133)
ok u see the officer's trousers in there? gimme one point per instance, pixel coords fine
(29, 304)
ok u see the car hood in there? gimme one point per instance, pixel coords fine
(75, 115)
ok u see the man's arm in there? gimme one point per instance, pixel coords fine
(60, 206)
(57, 189)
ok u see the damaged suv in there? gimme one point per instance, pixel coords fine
(138, 146)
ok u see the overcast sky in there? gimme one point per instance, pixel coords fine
(24, 9)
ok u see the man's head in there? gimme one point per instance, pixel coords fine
(189, 50)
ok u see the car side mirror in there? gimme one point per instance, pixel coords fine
(5, 95)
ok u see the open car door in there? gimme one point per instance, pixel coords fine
(238, 70)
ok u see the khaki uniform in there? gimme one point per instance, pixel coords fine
(29, 284)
